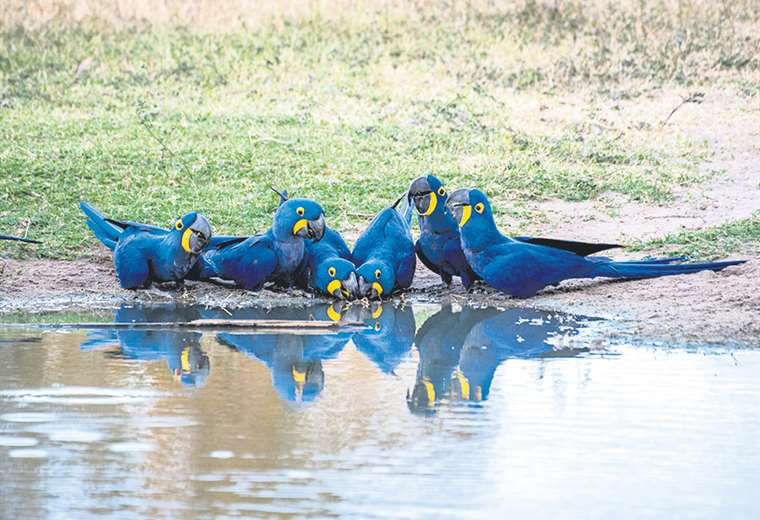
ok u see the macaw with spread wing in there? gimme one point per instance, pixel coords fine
(384, 252)
(145, 254)
(521, 269)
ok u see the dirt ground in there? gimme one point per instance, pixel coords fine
(703, 308)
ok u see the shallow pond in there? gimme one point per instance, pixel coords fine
(424, 412)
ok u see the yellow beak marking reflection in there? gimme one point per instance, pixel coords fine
(433, 204)
(300, 225)
(333, 314)
(466, 212)
(186, 240)
(430, 390)
(332, 286)
(184, 360)
(379, 288)
(464, 385)
(377, 312)
(298, 377)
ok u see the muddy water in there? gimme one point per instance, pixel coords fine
(426, 412)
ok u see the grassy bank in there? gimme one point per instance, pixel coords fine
(150, 122)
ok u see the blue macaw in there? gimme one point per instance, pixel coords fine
(294, 360)
(439, 342)
(19, 239)
(511, 334)
(522, 269)
(275, 256)
(329, 267)
(144, 254)
(389, 337)
(384, 252)
(439, 247)
(181, 349)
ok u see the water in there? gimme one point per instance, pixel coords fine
(428, 412)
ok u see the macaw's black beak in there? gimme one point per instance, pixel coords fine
(458, 200)
(316, 229)
(197, 235)
(365, 288)
(422, 196)
(349, 288)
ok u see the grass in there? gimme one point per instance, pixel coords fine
(712, 243)
(148, 123)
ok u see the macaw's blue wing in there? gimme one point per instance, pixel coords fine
(105, 231)
(248, 262)
(579, 248)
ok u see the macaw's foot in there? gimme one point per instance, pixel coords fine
(155, 290)
(222, 282)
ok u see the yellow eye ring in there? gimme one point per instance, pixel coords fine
(179, 225)
(441, 191)
(300, 211)
(331, 271)
(479, 207)
(377, 274)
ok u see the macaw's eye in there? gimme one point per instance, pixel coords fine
(179, 225)
(377, 274)
(479, 207)
(300, 211)
(441, 191)
(331, 271)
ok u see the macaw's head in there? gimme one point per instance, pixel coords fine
(337, 277)
(471, 210)
(428, 195)
(376, 279)
(300, 218)
(194, 232)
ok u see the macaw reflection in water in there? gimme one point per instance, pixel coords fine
(488, 338)
(389, 336)
(295, 360)
(182, 351)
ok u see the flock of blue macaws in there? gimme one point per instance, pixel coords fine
(458, 237)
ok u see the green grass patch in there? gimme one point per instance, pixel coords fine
(710, 244)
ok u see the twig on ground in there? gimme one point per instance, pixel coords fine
(694, 97)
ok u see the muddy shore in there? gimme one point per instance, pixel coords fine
(702, 308)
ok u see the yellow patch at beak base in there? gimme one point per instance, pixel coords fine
(377, 287)
(184, 360)
(466, 212)
(433, 204)
(186, 240)
(300, 225)
(298, 377)
(333, 286)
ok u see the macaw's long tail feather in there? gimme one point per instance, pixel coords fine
(19, 239)
(579, 248)
(404, 209)
(653, 270)
(106, 232)
(654, 261)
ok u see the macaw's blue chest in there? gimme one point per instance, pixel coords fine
(290, 254)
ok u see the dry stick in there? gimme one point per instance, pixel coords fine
(695, 97)
(304, 325)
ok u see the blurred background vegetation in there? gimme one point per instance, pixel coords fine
(152, 108)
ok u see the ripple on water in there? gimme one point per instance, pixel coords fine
(10, 441)
(81, 395)
(29, 453)
(221, 454)
(75, 436)
(131, 447)
(28, 417)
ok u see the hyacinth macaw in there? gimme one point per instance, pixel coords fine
(19, 239)
(384, 252)
(181, 349)
(295, 361)
(439, 247)
(329, 268)
(522, 269)
(275, 256)
(144, 254)
(389, 336)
